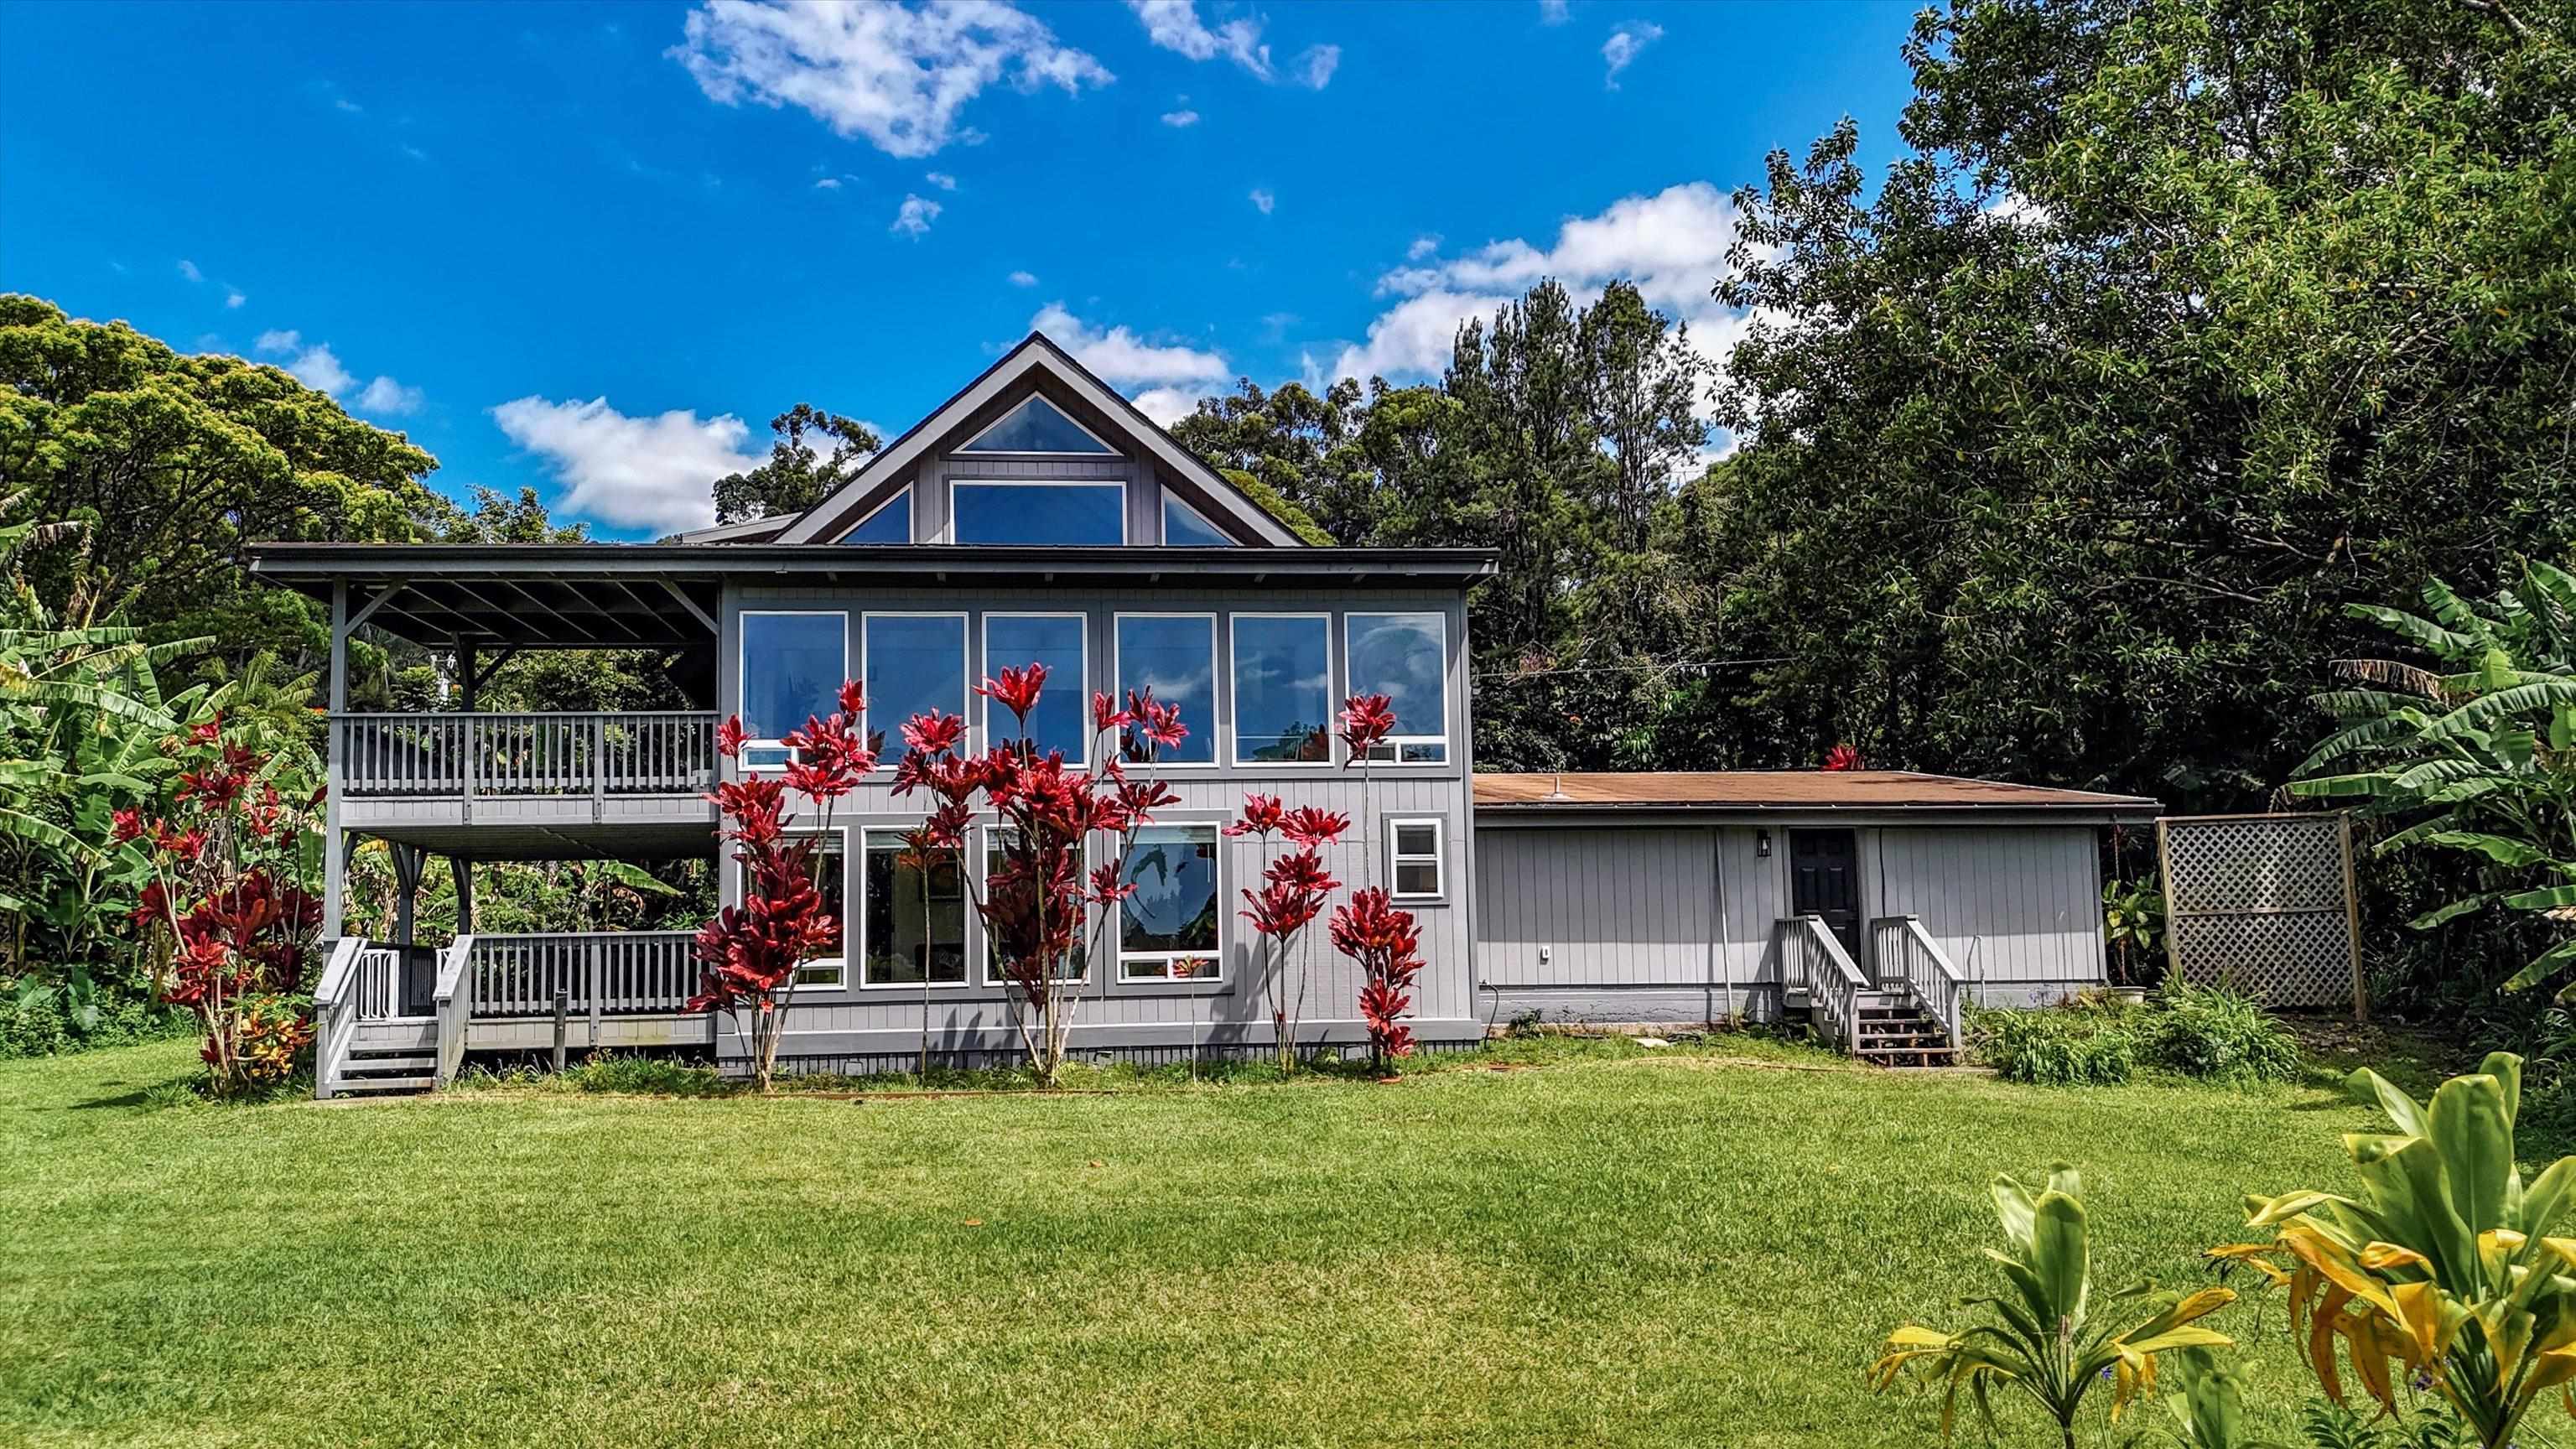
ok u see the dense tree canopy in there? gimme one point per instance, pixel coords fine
(798, 475)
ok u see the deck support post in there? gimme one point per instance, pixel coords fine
(409, 861)
(463, 872)
(334, 846)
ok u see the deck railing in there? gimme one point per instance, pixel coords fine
(335, 1013)
(1909, 960)
(454, 996)
(602, 974)
(1812, 959)
(520, 756)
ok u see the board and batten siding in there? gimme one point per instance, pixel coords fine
(1613, 922)
(1159, 1018)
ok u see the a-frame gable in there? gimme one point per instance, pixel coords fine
(1036, 364)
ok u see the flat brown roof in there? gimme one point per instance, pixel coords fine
(1790, 790)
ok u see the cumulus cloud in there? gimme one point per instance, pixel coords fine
(384, 395)
(828, 183)
(1177, 119)
(1553, 12)
(1423, 246)
(914, 217)
(894, 74)
(188, 269)
(649, 473)
(1124, 359)
(1263, 201)
(316, 366)
(1623, 46)
(1024, 279)
(1168, 405)
(942, 180)
(1175, 26)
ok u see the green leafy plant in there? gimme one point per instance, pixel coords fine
(2479, 746)
(2099, 1038)
(2217, 1035)
(2133, 922)
(2078, 1043)
(2049, 1346)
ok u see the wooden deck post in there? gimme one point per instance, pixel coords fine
(333, 847)
(562, 1002)
(598, 948)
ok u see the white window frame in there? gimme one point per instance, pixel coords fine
(1393, 745)
(966, 945)
(902, 495)
(965, 673)
(984, 643)
(840, 964)
(1234, 655)
(954, 484)
(993, 978)
(1217, 684)
(742, 672)
(1396, 859)
(1173, 500)
(968, 448)
(1118, 937)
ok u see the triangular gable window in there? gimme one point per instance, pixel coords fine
(891, 523)
(1038, 426)
(1183, 527)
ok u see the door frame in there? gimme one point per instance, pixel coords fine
(1863, 851)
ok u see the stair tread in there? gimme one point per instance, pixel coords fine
(385, 1084)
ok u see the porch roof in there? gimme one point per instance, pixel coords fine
(630, 596)
(1815, 791)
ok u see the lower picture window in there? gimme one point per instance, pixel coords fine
(915, 917)
(829, 973)
(1414, 847)
(1167, 930)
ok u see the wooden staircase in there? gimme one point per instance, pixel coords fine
(1894, 1032)
(387, 1071)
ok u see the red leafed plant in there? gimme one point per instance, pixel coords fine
(1041, 910)
(1372, 931)
(1843, 757)
(748, 954)
(223, 910)
(1293, 890)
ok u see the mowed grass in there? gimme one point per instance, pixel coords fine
(1622, 1247)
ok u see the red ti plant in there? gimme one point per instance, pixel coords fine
(1293, 889)
(1375, 934)
(1843, 757)
(748, 954)
(1036, 899)
(229, 923)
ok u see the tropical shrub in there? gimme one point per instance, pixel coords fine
(2133, 923)
(2448, 1270)
(2048, 1345)
(2209, 1033)
(2081, 1042)
(1375, 934)
(2216, 1035)
(1293, 890)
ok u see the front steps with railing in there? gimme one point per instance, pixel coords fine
(1907, 1016)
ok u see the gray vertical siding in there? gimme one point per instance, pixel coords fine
(2018, 908)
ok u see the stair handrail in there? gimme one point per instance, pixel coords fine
(1834, 980)
(1925, 970)
(454, 998)
(335, 1013)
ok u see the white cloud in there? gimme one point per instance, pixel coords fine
(384, 395)
(1024, 279)
(1263, 201)
(275, 340)
(1624, 44)
(1415, 337)
(1124, 359)
(1175, 25)
(1180, 118)
(942, 180)
(318, 368)
(234, 298)
(188, 269)
(1553, 12)
(348, 105)
(1168, 405)
(415, 153)
(914, 217)
(1423, 246)
(828, 183)
(895, 74)
(631, 472)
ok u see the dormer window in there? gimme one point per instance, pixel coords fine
(1039, 426)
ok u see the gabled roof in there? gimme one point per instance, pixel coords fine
(1036, 354)
(1811, 790)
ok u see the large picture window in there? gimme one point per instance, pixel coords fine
(1174, 655)
(915, 919)
(1062, 720)
(1283, 689)
(1049, 513)
(891, 523)
(793, 666)
(1077, 965)
(916, 664)
(1406, 658)
(830, 973)
(1175, 912)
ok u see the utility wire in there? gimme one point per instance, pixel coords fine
(1628, 668)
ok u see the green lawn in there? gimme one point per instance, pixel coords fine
(1620, 1247)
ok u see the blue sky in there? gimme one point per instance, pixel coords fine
(593, 249)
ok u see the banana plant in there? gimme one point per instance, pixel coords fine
(2480, 748)
(2447, 1271)
(2050, 1346)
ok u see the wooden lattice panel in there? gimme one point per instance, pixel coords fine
(2263, 903)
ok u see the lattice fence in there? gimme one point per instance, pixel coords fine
(2263, 903)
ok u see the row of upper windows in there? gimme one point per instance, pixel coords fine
(1282, 704)
(911, 925)
(1032, 511)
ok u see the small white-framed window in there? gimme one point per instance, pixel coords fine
(1283, 689)
(1177, 911)
(1039, 427)
(1415, 858)
(891, 523)
(913, 921)
(1077, 968)
(1406, 658)
(830, 973)
(1061, 642)
(1037, 511)
(1186, 527)
(915, 664)
(1174, 655)
(791, 667)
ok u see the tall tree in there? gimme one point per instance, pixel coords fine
(798, 474)
(1303, 445)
